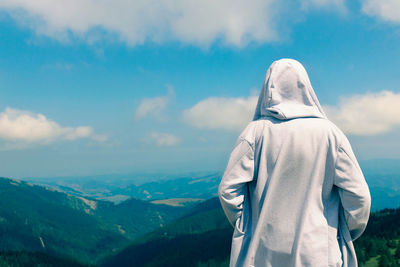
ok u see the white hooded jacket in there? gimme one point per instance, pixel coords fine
(293, 190)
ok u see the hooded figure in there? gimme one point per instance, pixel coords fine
(293, 190)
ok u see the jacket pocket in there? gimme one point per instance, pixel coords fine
(239, 227)
(242, 221)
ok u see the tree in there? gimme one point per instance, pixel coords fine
(397, 253)
(384, 261)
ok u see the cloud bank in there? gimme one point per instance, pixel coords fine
(202, 23)
(367, 114)
(234, 22)
(190, 21)
(28, 128)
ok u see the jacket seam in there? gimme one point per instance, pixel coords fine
(249, 148)
(352, 161)
(248, 142)
(339, 147)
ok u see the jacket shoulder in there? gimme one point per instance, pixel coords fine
(336, 131)
(252, 130)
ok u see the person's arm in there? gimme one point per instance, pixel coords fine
(353, 190)
(233, 187)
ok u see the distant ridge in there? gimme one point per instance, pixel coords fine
(382, 175)
(116, 189)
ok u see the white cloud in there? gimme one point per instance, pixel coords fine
(388, 10)
(154, 106)
(162, 139)
(25, 127)
(230, 114)
(235, 22)
(367, 114)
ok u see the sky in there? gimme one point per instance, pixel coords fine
(95, 87)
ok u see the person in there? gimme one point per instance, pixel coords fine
(293, 189)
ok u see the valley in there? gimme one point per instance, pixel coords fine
(150, 221)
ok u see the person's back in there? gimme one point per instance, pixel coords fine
(291, 174)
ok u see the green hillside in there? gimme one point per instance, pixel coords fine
(33, 218)
(209, 248)
(135, 217)
(380, 243)
(202, 238)
(44, 225)
(184, 242)
(206, 216)
(34, 259)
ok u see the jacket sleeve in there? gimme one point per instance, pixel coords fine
(232, 190)
(353, 190)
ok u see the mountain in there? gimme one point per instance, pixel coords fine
(203, 237)
(382, 175)
(151, 187)
(385, 190)
(34, 218)
(199, 237)
(135, 217)
(204, 217)
(381, 166)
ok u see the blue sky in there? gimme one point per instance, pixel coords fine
(94, 87)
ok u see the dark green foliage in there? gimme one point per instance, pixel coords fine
(137, 217)
(88, 230)
(33, 218)
(397, 253)
(206, 216)
(34, 259)
(178, 242)
(384, 261)
(183, 250)
(380, 238)
(201, 237)
(31, 215)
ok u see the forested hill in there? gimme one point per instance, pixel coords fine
(203, 239)
(35, 259)
(34, 218)
(139, 233)
(380, 243)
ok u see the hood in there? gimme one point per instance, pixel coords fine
(287, 93)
